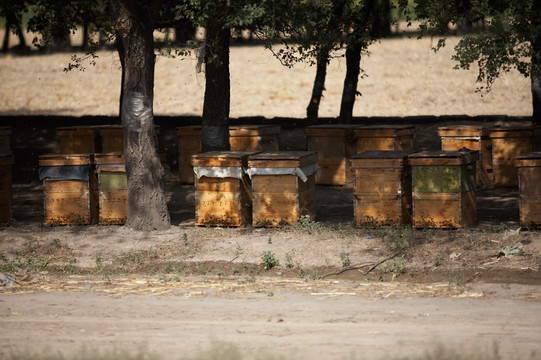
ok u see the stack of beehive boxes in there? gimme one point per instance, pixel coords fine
(81, 185)
(236, 188)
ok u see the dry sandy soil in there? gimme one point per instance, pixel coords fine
(198, 291)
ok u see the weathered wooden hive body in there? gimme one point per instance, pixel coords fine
(189, 140)
(283, 186)
(254, 137)
(68, 194)
(222, 188)
(384, 137)
(334, 144)
(77, 140)
(472, 137)
(508, 143)
(382, 188)
(529, 186)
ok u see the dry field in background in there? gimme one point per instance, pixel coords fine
(403, 77)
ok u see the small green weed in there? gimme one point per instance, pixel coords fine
(344, 257)
(439, 258)
(306, 223)
(185, 239)
(269, 260)
(396, 266)
(201, 269)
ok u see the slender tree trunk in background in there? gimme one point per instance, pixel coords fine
(5, 45)
(353, 69)
(13, 20)
(536, 87)
(22, 40)
(536, 66)
(147, 207)
(85, 35)
(312, 111)
(215, 121)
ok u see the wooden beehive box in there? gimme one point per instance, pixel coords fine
(111, 138)
(471, 137)
(334, 144)
(254, 137)
(382, 188)
(222, 188)
(507, 143)
(529, 185)
(536, 140)
(283, 186)
(189, 140)
(112, 189)
(77, 140)
(5, 145)
(384, 137)
(444, 188)
(6, 194)
(69, 194)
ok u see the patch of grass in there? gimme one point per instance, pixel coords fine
(307, 224)
(439, 258)
(398, 240)
(201, 269)
(289, 261)
(174, 267)
(228, 351)
(495, 227)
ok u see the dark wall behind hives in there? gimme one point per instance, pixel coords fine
(33, 136)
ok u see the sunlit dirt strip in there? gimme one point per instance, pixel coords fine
(239, 287)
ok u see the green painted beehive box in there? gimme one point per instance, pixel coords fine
(444, 188)
(112, 188)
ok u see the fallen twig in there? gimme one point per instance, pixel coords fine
(350, 267)
(380, 262)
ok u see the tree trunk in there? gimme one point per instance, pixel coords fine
(215, 121)
(312, 111)
(84, 47)
(5, 45)
(536, 90)
(353, 68)
(147, 206)
(22, 40)
(536, 66)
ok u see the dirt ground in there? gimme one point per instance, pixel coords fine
(193, 291)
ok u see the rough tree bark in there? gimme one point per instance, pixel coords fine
(312, 111)
(353, 68)
(536, 66)
(536, 87)
(215, 120)
(133, 22)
